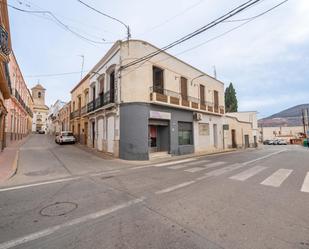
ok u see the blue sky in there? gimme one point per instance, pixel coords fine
(267, 60)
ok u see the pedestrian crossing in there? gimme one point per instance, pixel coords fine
(245, 172)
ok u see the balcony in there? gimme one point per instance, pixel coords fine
(102, 100)
(22, 103)
(75, 114)
(4, 42)
(175, 99)
(83, 111)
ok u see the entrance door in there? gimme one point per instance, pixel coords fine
(86, 133)
(234, 145)
(153, 138)
(215, 131)
(78, 133)
(100, 134)
(93, 134)
(110, 134)
(247, 141)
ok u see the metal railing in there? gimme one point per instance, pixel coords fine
(75, 114)
(102, 100)
(163, 95)
(4, 42)
(22, 103)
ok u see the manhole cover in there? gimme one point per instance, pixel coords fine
(58, 209)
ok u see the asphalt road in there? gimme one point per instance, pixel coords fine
(64, 197)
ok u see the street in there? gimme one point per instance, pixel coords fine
(65, 197)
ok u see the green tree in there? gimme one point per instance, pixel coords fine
(231, 104)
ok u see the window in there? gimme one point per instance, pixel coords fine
(216, 98)
(184, 88)
(39, 95)
(101, 82)
(112, 86)
(202, 94)
(158, 83)
(185, 135)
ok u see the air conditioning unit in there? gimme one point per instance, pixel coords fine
(197, 116)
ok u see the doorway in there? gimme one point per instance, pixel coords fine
(234, 145)
(93, 134)
(100, 134)
(86, 133)
(247, 145)
(158, 136)
(110, 134)
(215, 131)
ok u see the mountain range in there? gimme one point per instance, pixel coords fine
(289, 117)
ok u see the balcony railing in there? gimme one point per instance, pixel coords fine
(100, 101)
(4, 42)
(75, 114)
(83, 111)
(175, 98)
(22, 103)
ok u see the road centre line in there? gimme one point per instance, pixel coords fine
(77, 221)
(105, 173)
(39, 184)
(264, 157)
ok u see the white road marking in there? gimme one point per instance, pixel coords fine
(197, 162)
(140, 167)
(264, 157)
(193, 170)
(163, 191)
(277, 178)
(77, 221)
(215, 164)
(105, 173)
(174, 162)
(242, 176)
(305, 187)
(221, 171)
(181, 166)
(38, 184)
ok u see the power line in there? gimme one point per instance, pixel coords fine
(55, 74)
(210, 25)
(58, 21)
(214, 38)
(109, 16)
(261, 14)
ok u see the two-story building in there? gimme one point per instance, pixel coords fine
(159, 105)
(78, 118)
(64, 117)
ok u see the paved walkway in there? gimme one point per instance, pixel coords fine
(8, 160)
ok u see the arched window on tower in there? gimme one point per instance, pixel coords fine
(39, 95)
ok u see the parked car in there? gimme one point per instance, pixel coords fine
(40, 131)
(282, 142)
(268, 142)
(65, 137)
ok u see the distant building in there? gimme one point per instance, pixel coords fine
(242, 130)
(53, 121)
(40, 109)
(64, 117)
(281, 132)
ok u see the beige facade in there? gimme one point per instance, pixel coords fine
(283, 132)
(240, 134)
(64, 117)
(78, 106)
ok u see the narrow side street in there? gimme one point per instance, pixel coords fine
(246, 199)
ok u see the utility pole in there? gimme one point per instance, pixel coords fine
(82, 69)
(215, 72)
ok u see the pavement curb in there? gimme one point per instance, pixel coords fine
(15, 165)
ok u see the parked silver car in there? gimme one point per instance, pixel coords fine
(65, 137)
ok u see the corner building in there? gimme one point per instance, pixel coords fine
(160, 106)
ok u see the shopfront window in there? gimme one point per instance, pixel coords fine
(185, 134)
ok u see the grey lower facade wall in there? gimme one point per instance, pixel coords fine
(134, 119)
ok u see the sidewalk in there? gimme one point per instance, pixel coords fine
(9, 159)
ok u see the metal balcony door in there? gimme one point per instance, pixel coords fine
(110, 134)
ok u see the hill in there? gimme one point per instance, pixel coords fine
(289, 117)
